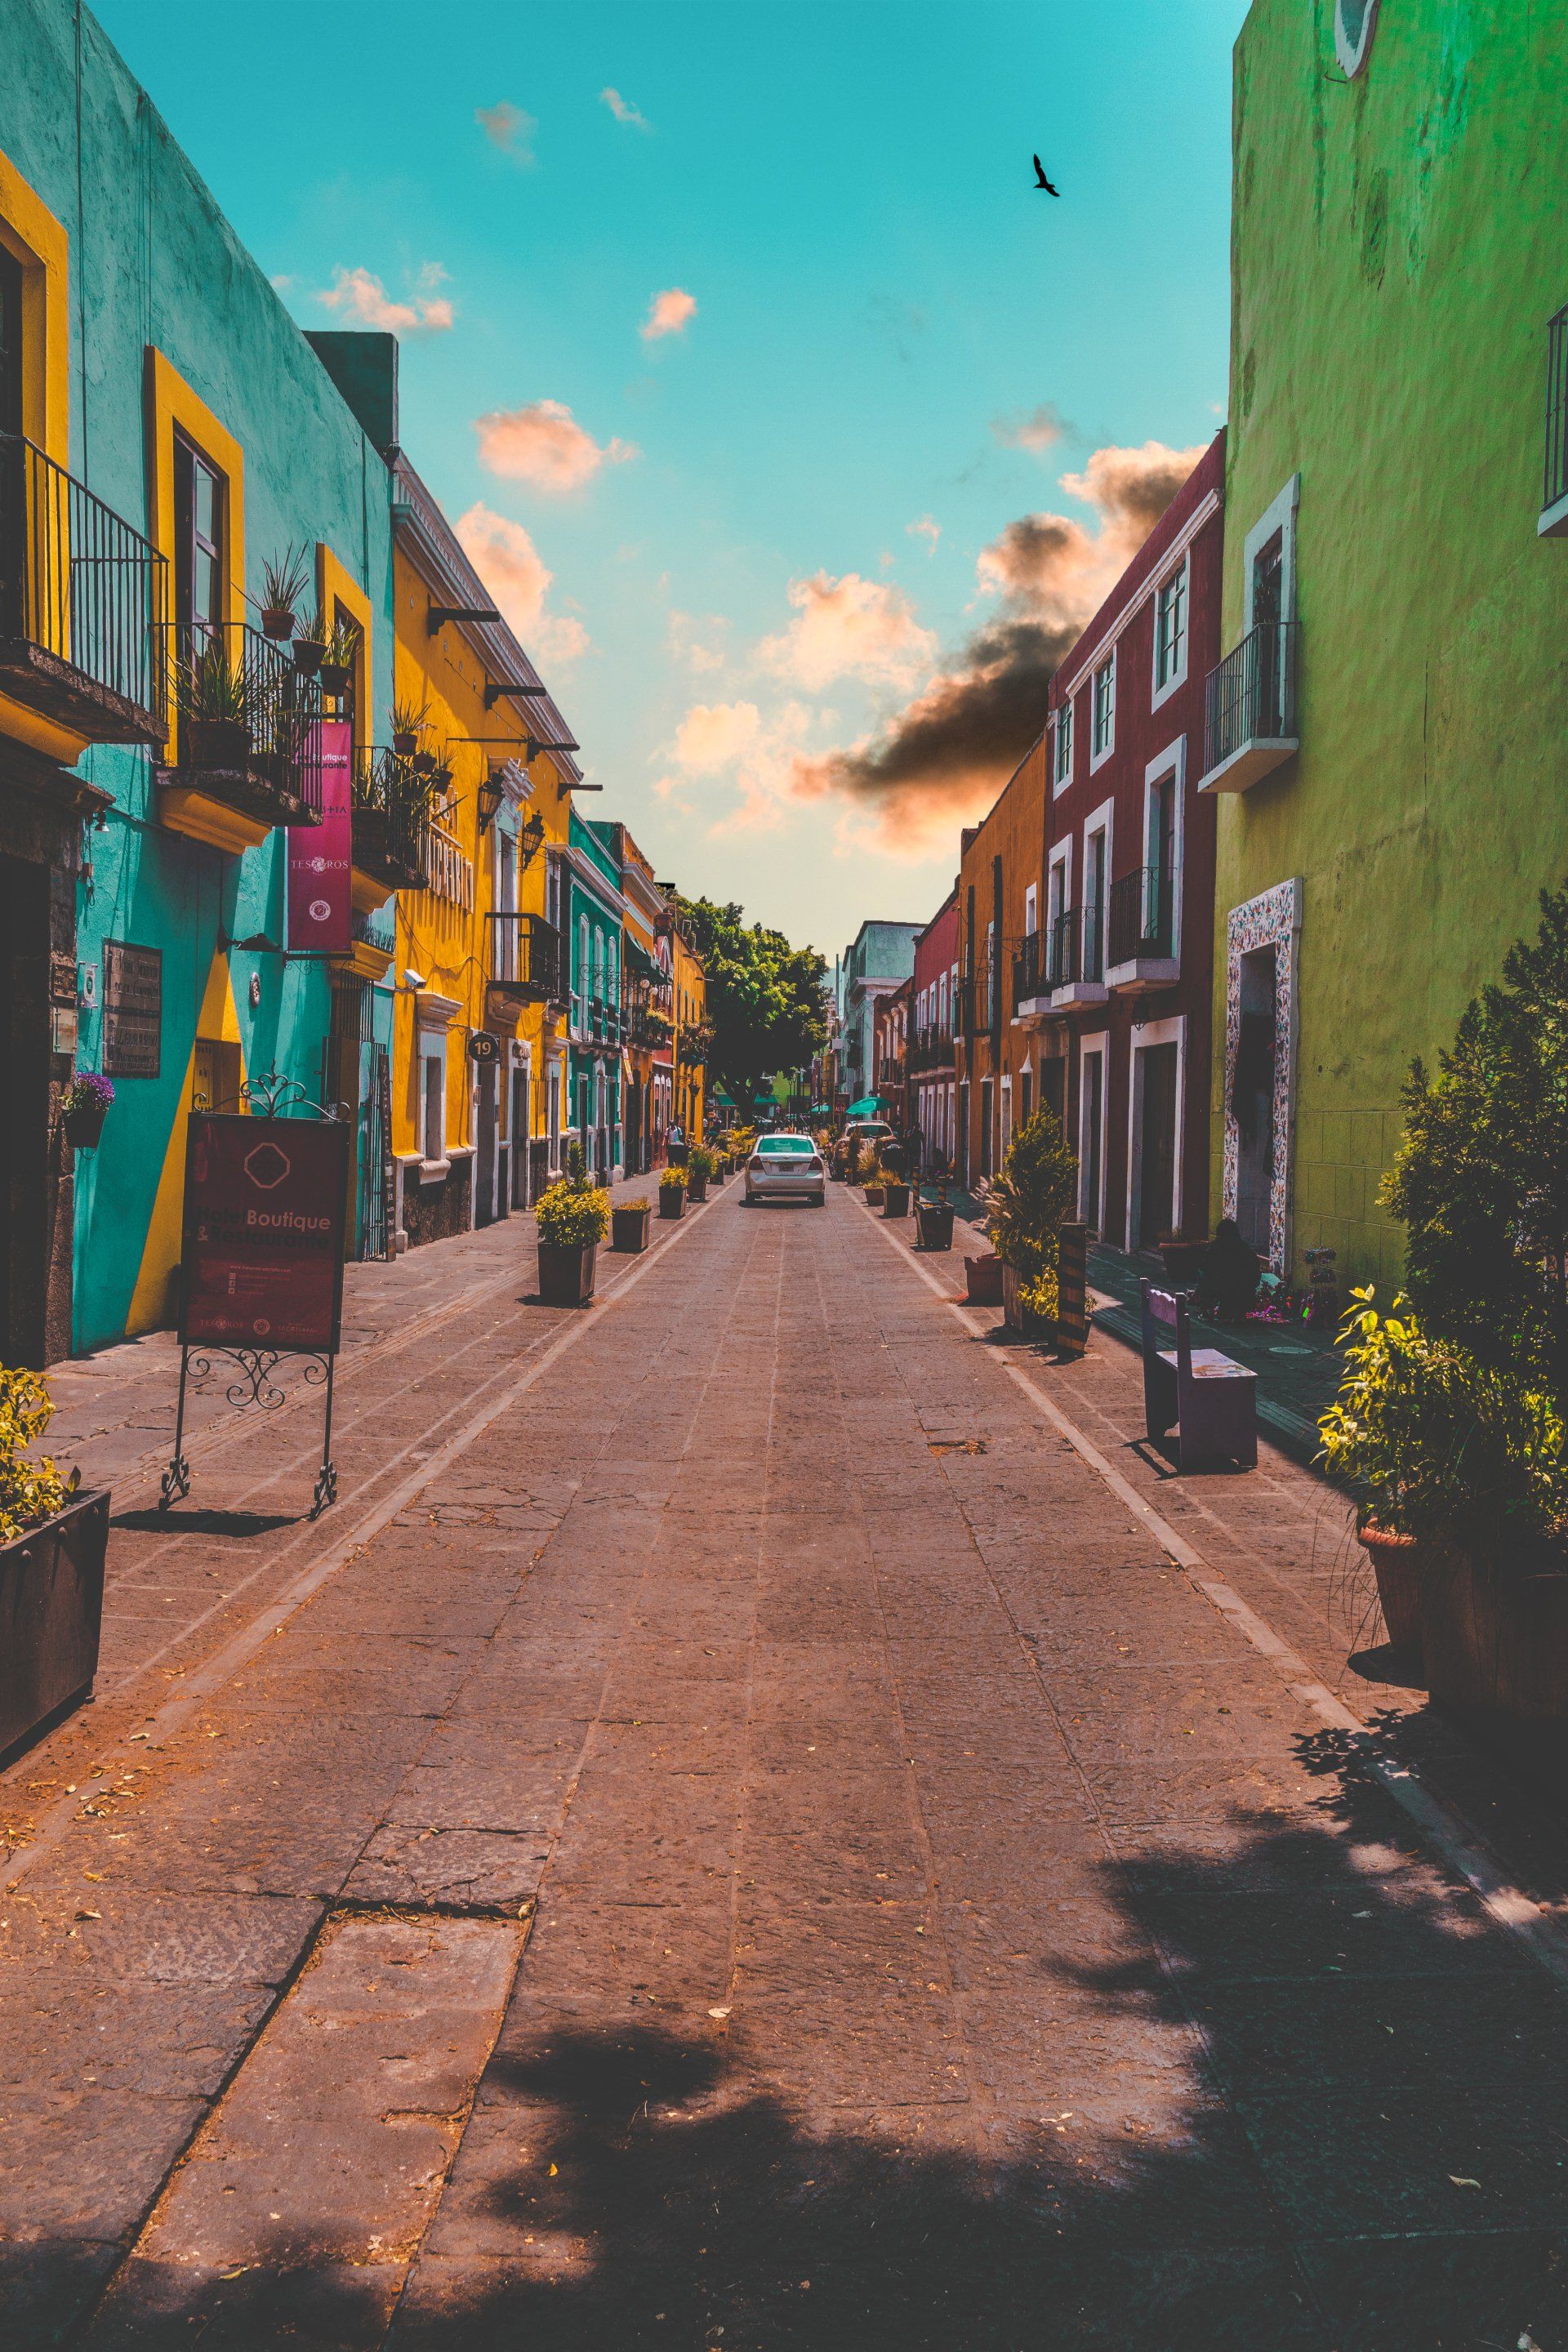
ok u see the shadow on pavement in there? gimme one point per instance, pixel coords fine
(1309, 2096)
(176, 1522)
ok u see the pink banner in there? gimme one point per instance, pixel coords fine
(320, 856)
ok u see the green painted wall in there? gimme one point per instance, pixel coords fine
(1399, 243)
(153, 261)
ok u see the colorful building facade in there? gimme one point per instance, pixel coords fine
(593, 910)
(881, 958)
(934, 1094)
(1386, 724)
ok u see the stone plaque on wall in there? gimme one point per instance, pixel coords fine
(133, 1010)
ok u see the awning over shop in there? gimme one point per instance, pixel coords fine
(868, 1107)
(642, 963)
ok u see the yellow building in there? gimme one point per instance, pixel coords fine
(689, 996)
(479, 1052)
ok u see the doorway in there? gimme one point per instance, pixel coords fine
(489, 1108)
(1154, 1079)
(1252, 1098)
(521, 1134)
(1091, 1138)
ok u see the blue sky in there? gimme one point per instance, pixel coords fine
(882, 304)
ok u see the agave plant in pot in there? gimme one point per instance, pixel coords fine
(337, 658)
(572, 1217)
(283, 584)
(53, 1534)
(213, 705)
(1025, 1205)
(673, 1193)
(408, 721)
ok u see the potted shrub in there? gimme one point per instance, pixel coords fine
(52, 1540)
(84, 1106)
(311, 638)
(933, 1220)
(628, 1225)
(869, 1173)
(699, 1168)
(673, 1193)
(895, 1197)
(215, 709)
(573, 1216)
(1025, 1205)
(283, 584)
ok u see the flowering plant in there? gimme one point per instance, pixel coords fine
(88, 1090)
(572, 1216)
(672, 1180)
(30, 1492)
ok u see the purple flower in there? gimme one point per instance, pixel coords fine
(90, 1090)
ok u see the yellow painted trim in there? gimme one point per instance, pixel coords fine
(171, 403)
(152, 1302)
(25, 726)
(30, 231)
(201, 818)
(336, 584)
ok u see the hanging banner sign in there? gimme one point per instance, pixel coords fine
(262, 1260)
(320, 855)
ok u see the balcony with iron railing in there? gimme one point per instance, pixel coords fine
(931, 1048)
(1140, 945)
(83, 597)
(1250, 717)
(523, 967)
(391, 817)
(1031, 989)
(1553, 523)
(248, 742)
(1075, 967)
(890, 1072)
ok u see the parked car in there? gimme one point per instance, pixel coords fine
(857, 1135)
(786, 1167)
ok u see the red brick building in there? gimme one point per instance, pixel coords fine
(933, 1013)
(1111, 987)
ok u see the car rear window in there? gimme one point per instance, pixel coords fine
(786, 1146)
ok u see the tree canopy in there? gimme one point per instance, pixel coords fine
(767, 1003)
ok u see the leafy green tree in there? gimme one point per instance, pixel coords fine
(767, 1002)
(1480, 1181)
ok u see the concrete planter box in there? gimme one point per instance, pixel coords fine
(51, 1611)
(895, 1200)
(567, 1274)
(672, 1200)
(934, 1225)
(628, 1230)
(1494, 1647)
(874, 1195)
(983, 1277)
(696, 1186)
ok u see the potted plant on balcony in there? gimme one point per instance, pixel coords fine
(1025, 1205)
(408, 723)
(311, 637)
(699, 1168)
(338, 660)
(84, 1106)
(628, 1225)
(283, 584)
(673, 1193)
(572, 1216)
(213, 705)
(52, 1540)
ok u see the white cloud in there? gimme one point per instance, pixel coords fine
(509, 129)
(622, 110)
(850, 627)
(751, 754)
(1038, 430)
(697, 640)
(517, 576)
(668, 313)
(355, 295)
(926, 529)
(543, 443)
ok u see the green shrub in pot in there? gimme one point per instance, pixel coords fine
(1027, 1201)
(30, 1491)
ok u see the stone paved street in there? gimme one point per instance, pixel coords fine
(736, 1832)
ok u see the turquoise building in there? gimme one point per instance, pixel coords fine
(594, 912)
(167, 432)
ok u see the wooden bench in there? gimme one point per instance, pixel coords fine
(1212, 1399)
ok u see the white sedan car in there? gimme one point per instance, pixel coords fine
(786, 1168)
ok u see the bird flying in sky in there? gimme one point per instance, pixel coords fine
(1041, 181)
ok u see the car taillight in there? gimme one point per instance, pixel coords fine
(816, 1165)
(756, 1159)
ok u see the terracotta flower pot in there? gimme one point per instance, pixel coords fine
(51, 1606)
(628, 1230)
(334, 677)
(567, 1274)
(983, 1277)
(1396, 1563)
(277, 623)
(307, 657)
(672, 1200)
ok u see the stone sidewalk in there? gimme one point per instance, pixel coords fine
(945, 1927)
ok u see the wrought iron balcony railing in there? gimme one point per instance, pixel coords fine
(1250, 719)
(1061, 952)
(391, 817)
(248, 719)
(1142, 906)
(1029, 970)
(1554, 497)
(931, 1048)
(524, 960)
(1076, 954)
(82, 599)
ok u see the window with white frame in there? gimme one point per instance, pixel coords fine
(1103, 731)
(582, 971)
(432, 1095)
(1171, 631)
(1095, 861)
(1031, 912)
(1062, 774)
